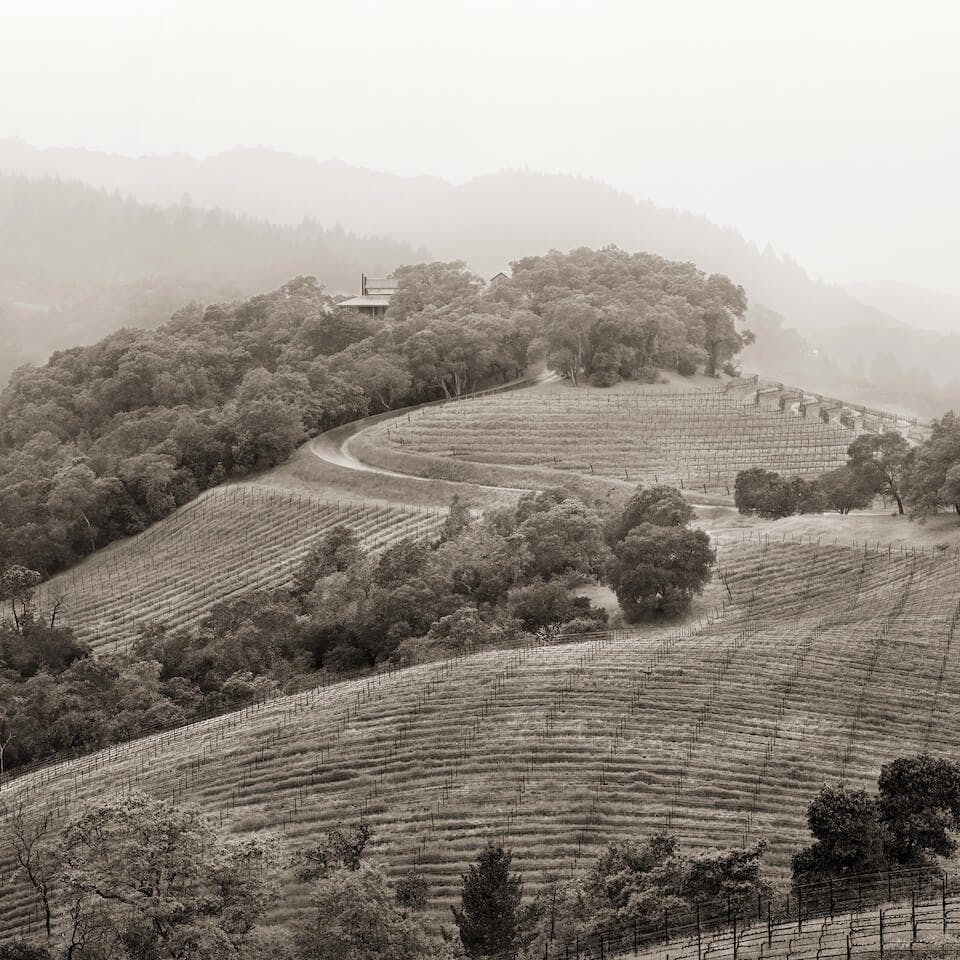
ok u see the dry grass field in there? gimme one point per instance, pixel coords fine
(818, 663)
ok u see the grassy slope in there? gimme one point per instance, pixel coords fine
(826, 663)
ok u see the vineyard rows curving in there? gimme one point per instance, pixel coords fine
(695, 440)
(821, 664)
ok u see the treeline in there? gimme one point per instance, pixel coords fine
(483, 583)
(925, 478)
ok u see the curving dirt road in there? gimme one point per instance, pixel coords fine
(334, 445)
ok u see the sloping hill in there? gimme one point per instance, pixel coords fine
(825, 663)
(228, 541)
(696, 440)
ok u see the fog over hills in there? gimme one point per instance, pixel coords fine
(493, 219)
(77, 262)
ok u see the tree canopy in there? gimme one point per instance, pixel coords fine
(609, 315)
(933, 479)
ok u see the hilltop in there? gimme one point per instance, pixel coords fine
(493, 703)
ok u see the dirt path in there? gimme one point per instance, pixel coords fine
(333, 447)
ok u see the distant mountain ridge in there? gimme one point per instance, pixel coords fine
(495, 218)
(487, 221)
(77, 262)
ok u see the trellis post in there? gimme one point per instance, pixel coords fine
(943, 900)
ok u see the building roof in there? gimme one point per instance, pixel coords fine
(368, 301)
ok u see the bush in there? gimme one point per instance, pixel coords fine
(767, 494)
(764, 493)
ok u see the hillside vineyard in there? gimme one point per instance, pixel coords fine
(225, 543)
(818, 664)
(694, 440)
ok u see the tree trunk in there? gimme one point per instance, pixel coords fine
(899, 499)
(93, 545)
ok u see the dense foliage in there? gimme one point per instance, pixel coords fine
(131, 878)
(925, 477)
(908, 822)
(767, 494)
(490, 917)
(933, 479)
(610, 315)
(106, 439)
(659, 564)
(103, 440)
(634, 883)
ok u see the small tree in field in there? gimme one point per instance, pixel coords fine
(660, 505)
(844, 489)
(919, 800)
(882, 462)
(16, 586)
(848, 836)
(145, 878)
(490, 915)
(658, 570)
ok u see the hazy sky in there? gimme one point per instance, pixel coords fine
(829, 129)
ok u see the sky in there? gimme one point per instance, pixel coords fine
(828, 130)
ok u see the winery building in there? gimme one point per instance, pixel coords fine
(375, 294)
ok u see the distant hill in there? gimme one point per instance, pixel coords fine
(494, 219)
(77, 262)
(924, 309)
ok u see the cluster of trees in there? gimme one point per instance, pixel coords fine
(609, 315)
(134, 878)
(485, 582)
(933, 479)
(767, 494)
(926, 478)
(906, 823)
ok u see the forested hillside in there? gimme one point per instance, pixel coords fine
(105, 439)
(489, 221)
(78, 263)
